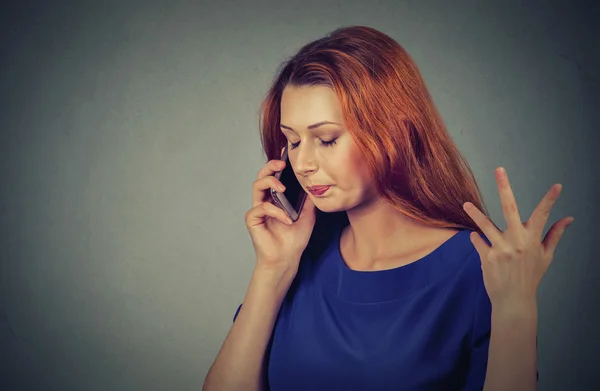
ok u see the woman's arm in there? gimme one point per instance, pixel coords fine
(512, 357)
(240, 363)
(513, 263)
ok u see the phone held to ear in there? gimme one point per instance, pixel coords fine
(292, 199)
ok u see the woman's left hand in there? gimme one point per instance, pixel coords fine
(513, 266)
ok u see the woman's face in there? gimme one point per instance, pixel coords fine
(323, 154)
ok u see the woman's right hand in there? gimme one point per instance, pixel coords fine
(277, 244)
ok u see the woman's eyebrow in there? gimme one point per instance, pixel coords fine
(313, 126)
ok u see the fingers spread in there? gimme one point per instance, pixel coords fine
(539, 217)
(555, 233)
(488, 228)
(507, 200)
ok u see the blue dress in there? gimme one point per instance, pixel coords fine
(421, 326)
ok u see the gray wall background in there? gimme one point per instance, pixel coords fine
(129, 143)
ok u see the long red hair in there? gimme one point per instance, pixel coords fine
(415, 164)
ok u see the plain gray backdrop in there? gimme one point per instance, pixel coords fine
(129, 142)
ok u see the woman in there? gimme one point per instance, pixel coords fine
(393, 277)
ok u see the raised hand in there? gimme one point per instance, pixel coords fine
(514, 264)
(277, 241)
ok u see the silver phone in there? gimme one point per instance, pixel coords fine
(292, 199)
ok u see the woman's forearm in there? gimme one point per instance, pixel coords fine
(240, 362)
(512, 357)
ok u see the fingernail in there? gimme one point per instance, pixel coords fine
(558, 189)
(281, 187)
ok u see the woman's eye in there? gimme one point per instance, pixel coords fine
(323, 143)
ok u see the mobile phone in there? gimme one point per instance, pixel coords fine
(292, 199)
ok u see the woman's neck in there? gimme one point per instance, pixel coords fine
(380, 237)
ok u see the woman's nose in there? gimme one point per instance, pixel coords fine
(304, 161)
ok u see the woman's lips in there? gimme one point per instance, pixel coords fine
(318, 190)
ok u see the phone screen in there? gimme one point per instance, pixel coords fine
(293, 191)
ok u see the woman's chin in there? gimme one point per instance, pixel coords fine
(327, 207)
